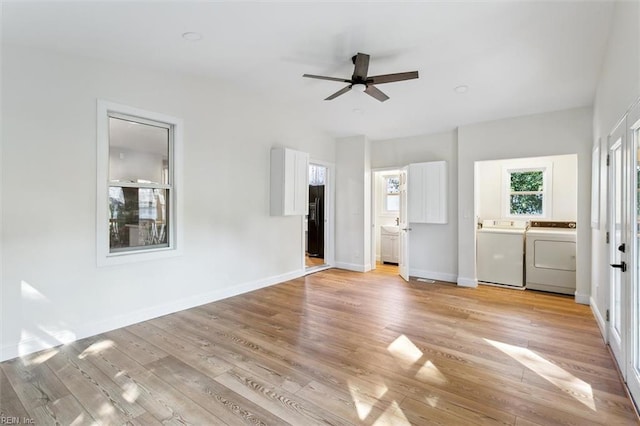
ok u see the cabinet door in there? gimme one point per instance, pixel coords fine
(386, 249)
(394, 249)
(427, 192)
(289, 173)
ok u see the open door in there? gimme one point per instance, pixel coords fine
(403, 252)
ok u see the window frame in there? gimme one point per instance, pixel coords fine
(105, 256)
(385, 194)
(547, 185)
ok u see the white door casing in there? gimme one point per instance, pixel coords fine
(403, 255)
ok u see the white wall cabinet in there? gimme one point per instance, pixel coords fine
(427, 192)
(289, 175)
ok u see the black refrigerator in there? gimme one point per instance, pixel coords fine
(315, 221)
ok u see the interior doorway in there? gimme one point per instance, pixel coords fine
(386, 206)
(316, 222)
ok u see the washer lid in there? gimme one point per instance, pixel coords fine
(510, 231)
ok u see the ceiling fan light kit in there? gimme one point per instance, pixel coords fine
(361, 81)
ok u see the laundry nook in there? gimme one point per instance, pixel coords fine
(532, 243)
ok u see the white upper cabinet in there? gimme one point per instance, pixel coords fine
(427, 192)
(289, 189)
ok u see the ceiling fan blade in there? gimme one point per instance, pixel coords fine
(361, 66)
(376, 93)
(390, 78)
(321, 77)
(338, 93)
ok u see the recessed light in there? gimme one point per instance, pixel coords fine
(461, 89)
(191, 36)
(356, 111)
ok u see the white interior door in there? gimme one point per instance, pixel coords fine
(617, 248)
(403, 255)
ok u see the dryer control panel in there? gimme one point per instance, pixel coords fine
(552, 224)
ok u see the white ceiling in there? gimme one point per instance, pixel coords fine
(516, 57)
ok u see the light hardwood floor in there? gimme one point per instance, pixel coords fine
(337, 348)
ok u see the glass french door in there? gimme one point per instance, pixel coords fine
(633, 364)
(624, 248)
(617, 246)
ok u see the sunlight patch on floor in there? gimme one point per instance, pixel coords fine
(408, 355)
(430, 373)
(393, 416)
(358, 397)
(432, 401)
(40, 358)
(96, 348)
(106, 410)
(405, 351)
(79, 420)
(567, 382)
(131, 392)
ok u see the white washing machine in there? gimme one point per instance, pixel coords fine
(500, 252)
(551, 257)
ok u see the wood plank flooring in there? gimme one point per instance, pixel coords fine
(335, 348)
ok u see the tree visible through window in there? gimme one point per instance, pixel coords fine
(392, 193)
(526, 196)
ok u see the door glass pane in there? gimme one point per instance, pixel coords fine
(137, 217)
(617, 237)
(636, 283)
(138, 152)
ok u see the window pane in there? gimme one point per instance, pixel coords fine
(317, 174)
(393, 185)
(393, 203)
(137, 217)
(529, 204)
(138, 152)
(526, 181)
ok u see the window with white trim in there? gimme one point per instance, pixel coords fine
(391, 201)
(528, 192)
(138, 163)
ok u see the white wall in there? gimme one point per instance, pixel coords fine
(553, 133)
(491, 203)
(432, 248)
(52, 290)
(353, 203)
(618, 87)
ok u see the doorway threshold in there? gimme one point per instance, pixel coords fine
(511, 287)
(313, 269)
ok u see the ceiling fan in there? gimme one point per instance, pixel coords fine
(360, 80)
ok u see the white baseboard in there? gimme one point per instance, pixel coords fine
(602, 324)
(352, 266)
(35, 344)
(583, 299)
(467, 282)
(438, 276)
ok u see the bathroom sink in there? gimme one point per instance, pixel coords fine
(390, 229)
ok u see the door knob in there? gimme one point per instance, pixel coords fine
(621, 265)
